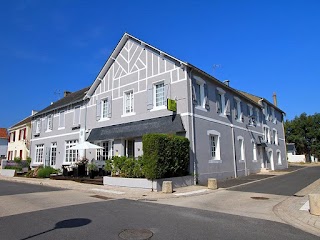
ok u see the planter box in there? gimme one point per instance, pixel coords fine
(147, 184)
(8, 172)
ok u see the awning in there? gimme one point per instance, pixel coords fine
(261, 142)
(167, 124)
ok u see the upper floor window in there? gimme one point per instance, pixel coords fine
(200, 93)
(274, 119)
(266, 134)
(266, 111)
(38, 126)
(76, 115)
(49, 122)
(159, 95)
(258, 116)
(104, 108)
(238, 110)
(223, 104)
(128, 102)
(251, 115)
(61, 119)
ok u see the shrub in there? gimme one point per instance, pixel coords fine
(45, 172)
(17, 168)
(17, 160)
(165, 155)
(125, 167)
(28, 161)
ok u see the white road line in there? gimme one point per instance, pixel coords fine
(190, 193)
(305, 206)
(107, 191)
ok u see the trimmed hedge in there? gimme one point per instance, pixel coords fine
(165, 156)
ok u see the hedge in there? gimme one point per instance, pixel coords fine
(165, 156)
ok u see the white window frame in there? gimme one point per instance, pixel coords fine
(266, 134)
(163, 105)
(239, 110)
(53, 154)
(39, 153)
(104, 108)
(76, 121)
(242, 148)
(279, 160)
(275, 136)
(71, 156)
(49, 123)
(222, 104)
(201, 100)
(62, 119)
(131, 112)
(216, 135)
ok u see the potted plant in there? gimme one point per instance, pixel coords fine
(92, 167)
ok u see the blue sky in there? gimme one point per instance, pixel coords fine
(261, 46)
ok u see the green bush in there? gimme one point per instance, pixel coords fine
(125, 167)
(17, 168)
(28, 161)
(17, 160)
(165, 156)
(46, 171)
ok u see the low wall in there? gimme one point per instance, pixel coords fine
(296, 158)
(8, 172)
(144, 183)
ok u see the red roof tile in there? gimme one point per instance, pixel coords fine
(3, 133)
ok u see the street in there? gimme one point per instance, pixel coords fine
(39, 212)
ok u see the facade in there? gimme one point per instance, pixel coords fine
(19, 139)
(3, 143)
(232, 133)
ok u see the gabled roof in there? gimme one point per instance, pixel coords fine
(71, 98)
(3, 133)
(259, 99)
(22, 122)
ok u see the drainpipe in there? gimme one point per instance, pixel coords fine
(193, 132)
(234, 152)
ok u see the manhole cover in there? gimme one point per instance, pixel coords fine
(101, 197)
(136, 234)
(260, 198)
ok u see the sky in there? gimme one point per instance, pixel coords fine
(261, 46)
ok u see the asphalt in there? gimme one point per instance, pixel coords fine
(283, 184)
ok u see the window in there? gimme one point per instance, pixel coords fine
(129, 148)
(251, 117)
(53, 154)
(258, 116)
(214, 144)
(76, 116)
(159, 99)
(71, 155)
(279, 157)
(273, 116)
(20, 155)
(238, 110)
(223, 105)
(242, 150)
(200, 94)
(275, 137)
(128, 102)
(104, 108)
(38, 126)
(61, 119)
(266, 134)
(49, 123)
(102, 154)
(266, 111)
(39, 153)
(254, 151)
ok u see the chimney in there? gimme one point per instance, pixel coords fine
(275, 99)
(33, 112)
(66, 93)
(226, 82)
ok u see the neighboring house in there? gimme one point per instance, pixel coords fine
(231, 133)
(292, 156)
(3, 143)
(19, 139)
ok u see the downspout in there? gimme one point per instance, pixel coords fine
(234, 152)
(285, 143)
(193, 132)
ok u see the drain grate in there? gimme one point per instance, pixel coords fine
(101, 197)
(136, 234)
(260, 198)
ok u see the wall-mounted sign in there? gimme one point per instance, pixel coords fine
(171, 105)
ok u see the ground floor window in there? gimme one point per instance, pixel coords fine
(39, 153)
(214, 144)
(53, 153)
(254, 151)
(242, 150)
(279, 157)
(106, 152)
(71, 155)
(129, 148)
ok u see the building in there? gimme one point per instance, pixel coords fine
(19, 139)
(232, 133)
(3, 143)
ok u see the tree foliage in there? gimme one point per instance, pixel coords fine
(304, 131)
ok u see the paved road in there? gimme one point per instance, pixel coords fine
(286, 185)
(105, 219)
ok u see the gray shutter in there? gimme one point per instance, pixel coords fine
(166, 93)
(109, 107)
(206, 96)
(227, 106)
(194, 95)
(150, 97)
(98, 109)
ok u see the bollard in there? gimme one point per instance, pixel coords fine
(167, 186)
(212, 183)
(314, 202)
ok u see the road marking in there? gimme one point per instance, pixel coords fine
(107, 191)
(305, 206)
(190, 193)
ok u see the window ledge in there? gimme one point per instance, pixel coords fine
(215, 161)
(48, 131)
(104, 119)
(128, 114)
(60, 128)
(201, 108)
(158, 108)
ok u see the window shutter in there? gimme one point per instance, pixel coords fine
(194, 95)
(227, 107)
(235, 109)
(24, 133)
(166, 93)
(109, 107)
(98, 109)
(206, 96)
(150, 97)
(14, 136)
(218, 102)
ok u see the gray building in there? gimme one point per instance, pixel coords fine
(232, 133)
(3, 143)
